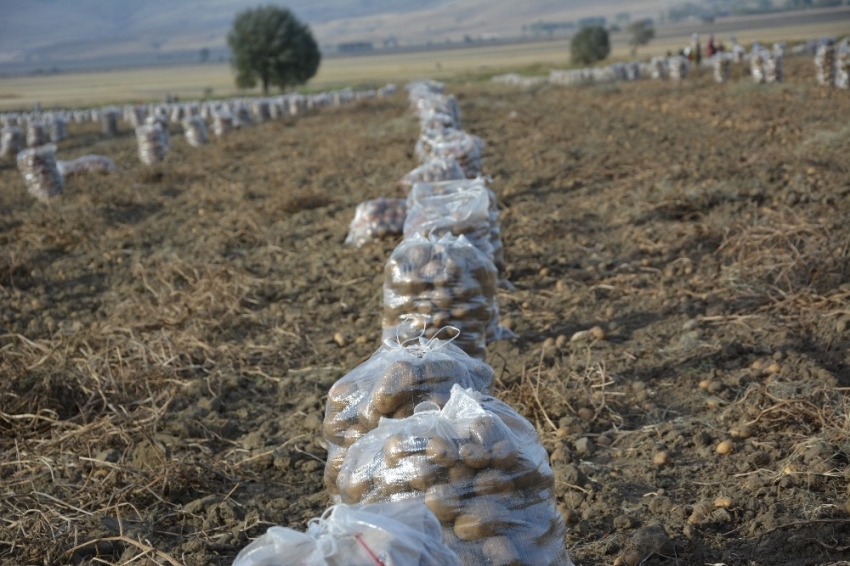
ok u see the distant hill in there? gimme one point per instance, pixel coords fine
(61, 32)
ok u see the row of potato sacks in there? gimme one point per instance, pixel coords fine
(832, 63)
(44, 175)
(151, 124)
(416, 425)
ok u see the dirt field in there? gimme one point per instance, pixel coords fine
(167, 333)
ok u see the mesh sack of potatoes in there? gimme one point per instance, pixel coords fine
(772, 64)
(658, 66)
(439, 105)
(418, 89)
(242, 115)
(462, 146)
(195, 130)
(758, 63)
(12, 140)
(160, 119)
(387, 90)
(36, 134)
(825, 63)
(456, 207)
(459, 201)
(109, 121)
(161, 113)
(390, 384)
(178, 112)
(376, 219)
(677, 67)
(376, 534)
(58, 127)
(842, 65)
(276, 109)
(434, 120)
(260, 110)
(222, 122)
(481, 469)
(440, 287)
(87, 165)
(40, 171)
(297, 104)
(136, 115)
(153, 143)
(722, 66)
(433, 171)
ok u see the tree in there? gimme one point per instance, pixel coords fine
(204, 54)
(640, 33)
(589, 45)
(272, 46)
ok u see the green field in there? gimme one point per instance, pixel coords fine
(190, 82)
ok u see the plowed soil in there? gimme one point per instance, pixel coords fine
(168, 333)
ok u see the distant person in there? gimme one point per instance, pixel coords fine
(696, 50)
(710, 50)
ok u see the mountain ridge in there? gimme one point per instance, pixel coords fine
(61, 31)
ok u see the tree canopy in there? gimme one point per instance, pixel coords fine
(640, 33)
(272, 46)
(589, 45)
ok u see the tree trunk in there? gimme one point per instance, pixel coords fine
(265, 86)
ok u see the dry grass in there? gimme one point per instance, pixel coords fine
(169, 334)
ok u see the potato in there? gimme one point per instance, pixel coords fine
(442, 451)
(441, 297)
(425, 306)
(397, 447)
(486, 431)
(439, 397)
(332, 469)
(444, 500)
(532, 478)
(369, 415)
(480, 372)
(432, 269)
(461, 474)
(474, 455)
(423, 473)
(470, 527)
(440, 319)
(500, 551)
(503, 454)
(432, 332)
(466, 289)
(395, 388)
(469, 555)
(393, 481)
(480, 519)
(443, 280)
(491, 482)
(418, 256)
(354, 486)
(352, 435)
(441, 371)
(341, 395)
